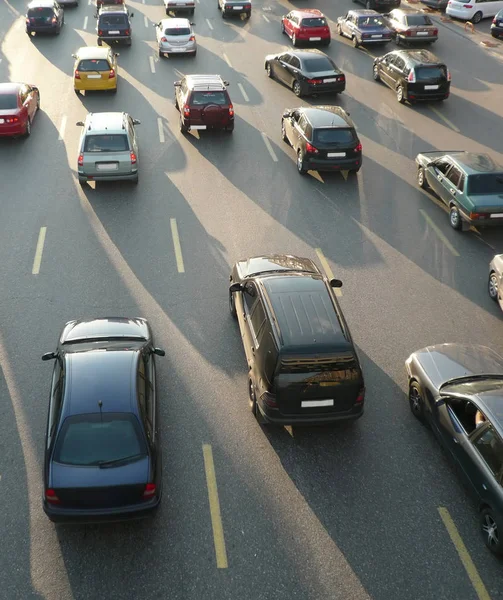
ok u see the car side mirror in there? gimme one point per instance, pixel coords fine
(74, 56)
(177, 83)
(235, 287)
(131, 15)
(136, 122)
(49, 356)
(226, 83)
(80, 123)
(192, 23)
(287, 113)
(159, 352)
(336, 283)
(96, 16)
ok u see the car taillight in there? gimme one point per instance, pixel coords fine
(412, 76)
(494, 21)
(186, 111)
(311, 149)
(111, 75)
(475, 216)
(269, 399)
(435, 32)
(361, 396)
(358, 148)
(11, 120)
(81, 160)
(341, 78)
(133, 158)
(77, 75)
(50, 496)
(100, 31)
(192, 38)
(28, 21)
(448, 75)
(149, 490)
(231, 110)
(407, 32)
(164, 39)
(247, 6)
(126, 32)
(54, 20)
(314, 81)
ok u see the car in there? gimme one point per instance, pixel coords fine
(457, 390)
(114, 25)
(306, 72)
(103, 459)
(438, 4)
(497, 25)
(100, 3)
(495, 284)
(306, 25)
(363, 27)
(95, 68)
(324, 138)
(19, 102)
(175, 36)
(469, 183)
(475, 10)
(44, 16)
(411, 26)
(108, 148)
(380, 4)
(302, 364)
(68, 2)
(234, 7)
(176, 6)
(414, 75)
(204, 103)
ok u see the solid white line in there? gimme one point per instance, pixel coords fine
(160, 126)
(85, 22)
(439, 232)
(209, 24)
(265, 19)
(38, 252)
(146, 20)
(151, 61)
(62, 128)
(242, 90)
(177, 246)
(269, 147)
(226, 58)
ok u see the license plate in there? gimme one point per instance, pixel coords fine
(431, 87)
(237, 7)
(497, 216)
(315, 403)
(94, 76)
(113, 32)
(198, 126)
(330, 80)
(376, 36)
(315, 39)
(180, 4)
(422, 33)
(2, 121)
(107, 166)
(177, 50)
(336, 154)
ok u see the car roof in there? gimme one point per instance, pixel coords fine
(327, 116)
(407, 11)
(93, 52)
(491, 403)
(475, 162)
(205, 82)
(105, 121)
(105, 328)
(96, 375)
(304, 313)
(175, 22)
(9, 87)
(364, 12)
(113, 8)
(307, 53)
(308, 12)
(419, 57)
(41, 4)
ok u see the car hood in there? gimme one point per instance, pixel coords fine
(443, 362)
(280, 262)
(70, 476)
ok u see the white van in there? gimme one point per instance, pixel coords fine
(473, 10)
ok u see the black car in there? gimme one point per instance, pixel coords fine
(497, 25)
(114, 24)
(457, 390)
(306, 72)
(380, 4)
(102, 445)
(44, 16)
(235, 8)
(302, 364)
(324, 138)
(414, 75)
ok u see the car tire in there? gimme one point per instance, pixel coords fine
(283, 30)
(27, 132)
(294, 39)
(268, 70)
(327, 42)
(114, 91)
(161, 54)
(136, 179)
(129, 42)
(192, 10)
(492, 286)
(398, 41)
(492, 530)
(38, 102)
(300, 162)
(416, 401)
(455, 218)
(232, 306)
(283, 132)
(421, 178)
(339, 29)
(183, 128)
(194, 53)
(477, 17)
(356, 43)
(399, 94)
(82, 182)
(375, 73)
(100, 42)
(76, 91)
(297, 89)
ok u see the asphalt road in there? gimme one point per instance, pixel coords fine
(315, 513)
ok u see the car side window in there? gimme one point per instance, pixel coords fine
(390, 59)
(399, 63)
(285, 58)
(454, 175)
(442, 166)
(302, 123)
(183, 87)
(23, 94)
(461, 184)
(142, 387)
(249, 297)
(490, 447)
(270, 354)
(295, 62)
(56, 398)
(150, 389)
(258, 318)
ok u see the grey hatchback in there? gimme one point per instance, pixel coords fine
(108, 148)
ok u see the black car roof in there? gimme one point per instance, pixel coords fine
(327, 116)
(418, 57)
(96, 375)
(304, 314)
(307, 53)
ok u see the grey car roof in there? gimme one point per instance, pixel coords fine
(105, 122)
(175, 22)
(327, 116)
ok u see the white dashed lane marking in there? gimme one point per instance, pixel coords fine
(209, 24)
(242, 90)
(85, 22)
(269, 147)
(62, 128)
(152, 65)
(160, 126)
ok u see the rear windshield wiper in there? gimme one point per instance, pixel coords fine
(104, 464)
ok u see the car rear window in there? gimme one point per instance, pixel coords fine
(370, 22)
(314, 65)
(177, 31)
(106, 143)
(415, 20)
(314, 22)
(202, 98)
(334, 136)
(8, 101)
(344, 366)
(99, 64)
(113, 20)
(41, 12)
(487, 183)
(87, 440)
(429, 73)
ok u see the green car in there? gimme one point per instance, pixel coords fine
(470, 184)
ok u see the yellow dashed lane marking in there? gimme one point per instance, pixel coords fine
(216, 519)
(177, 246)
(38, 252)
(327, 269)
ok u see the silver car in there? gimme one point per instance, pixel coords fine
(175, 36)
(108, 148)
(495, 284)
(457, 391)
(177, 6)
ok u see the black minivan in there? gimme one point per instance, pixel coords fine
(114, 24)
(303, 367)
(44, 16)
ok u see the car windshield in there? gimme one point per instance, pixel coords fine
(487, 183)
(202, 98)
(91, 439)
(113, 20)
(334, 136)
(429, 73)
(106, 143)
(313, 65)
(416, 20)
(370, 22)
(314, 22)
(177, 31)
(99, 64)
(46, 13)
(8, 101)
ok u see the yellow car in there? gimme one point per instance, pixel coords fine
(95, 69)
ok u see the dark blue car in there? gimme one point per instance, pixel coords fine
(364, 27)
(497, 25)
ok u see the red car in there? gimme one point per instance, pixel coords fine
(18, 104)
(306, 25)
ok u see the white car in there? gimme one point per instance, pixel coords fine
(495, 284)
(175, 36)
(180, 6)
(474, 10)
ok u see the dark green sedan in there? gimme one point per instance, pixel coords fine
(470, 184)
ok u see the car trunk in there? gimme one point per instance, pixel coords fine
(40, 17)
(421, 31)
(488, 203)
(107, 154)
(333, 143)
(313, 30)
(94, 72)
(114, 26)
(209, 109)
(430, 80)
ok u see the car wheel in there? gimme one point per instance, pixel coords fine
(252, 397)
(82, 182)
(76, 91)
(477, 17)
(294, 39)
(492, 286)
(491, 532)
(161, 54)
(421, 178)
(232, 306)
(375, 73)
(268, 70)
(300, 163)
(356, 43)
(398, 41)
(229, 128)
(183, 128)
(27, 132)
(283, 132)
(297, 89)
(135, 180)
(38, 102)
(339, 29)
(416, 401)
(283, 28)
(129, 42)
(455, 218)
(99, 42)
(192, 10)
(399, 94)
